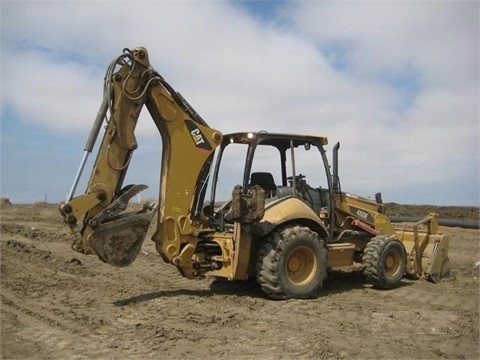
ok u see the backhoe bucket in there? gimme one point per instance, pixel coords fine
(118, 241)
(427, 252)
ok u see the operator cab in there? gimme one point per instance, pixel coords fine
(284, 165)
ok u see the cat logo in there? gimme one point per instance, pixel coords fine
(197, 136)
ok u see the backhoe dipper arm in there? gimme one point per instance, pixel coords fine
(188, 146)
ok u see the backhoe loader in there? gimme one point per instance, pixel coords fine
(270, 223)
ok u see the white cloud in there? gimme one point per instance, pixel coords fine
(58, 95)
(241, 74)
(440, 38)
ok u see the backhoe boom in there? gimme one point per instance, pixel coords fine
(188, 145)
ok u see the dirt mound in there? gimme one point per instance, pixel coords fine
(5, 202)
(471, 213)
(41, 204)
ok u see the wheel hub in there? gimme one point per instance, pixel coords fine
(301, 266)
(392, 263)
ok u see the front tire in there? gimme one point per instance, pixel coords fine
(292, 263)
(384, 262)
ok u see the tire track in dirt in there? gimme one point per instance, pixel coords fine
(45, 328)
(148, 311)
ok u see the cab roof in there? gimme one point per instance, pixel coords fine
(279, 140)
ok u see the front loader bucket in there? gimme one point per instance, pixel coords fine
(427, 252)
(118, 242)
(431, 260)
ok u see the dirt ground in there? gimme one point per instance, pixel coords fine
(58, 304)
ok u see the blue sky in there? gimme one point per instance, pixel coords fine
(397, 83)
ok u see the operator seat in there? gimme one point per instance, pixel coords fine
(266, 181)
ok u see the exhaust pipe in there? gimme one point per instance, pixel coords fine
(336, 179)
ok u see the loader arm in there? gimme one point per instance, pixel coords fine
(188, 144)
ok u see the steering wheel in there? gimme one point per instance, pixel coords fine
(297, 177)
(301, 186)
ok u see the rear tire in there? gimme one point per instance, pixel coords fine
(292, 263)
(384, 262)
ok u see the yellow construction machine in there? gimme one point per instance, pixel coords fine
(263, 219)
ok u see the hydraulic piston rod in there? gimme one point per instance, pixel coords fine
(102, 112)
